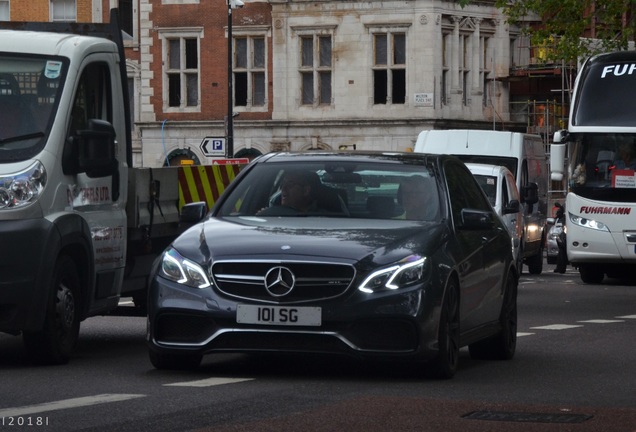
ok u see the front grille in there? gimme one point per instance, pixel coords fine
(313, 281)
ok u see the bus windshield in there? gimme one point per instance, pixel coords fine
(603, 166)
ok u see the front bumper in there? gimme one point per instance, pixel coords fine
(399, 323)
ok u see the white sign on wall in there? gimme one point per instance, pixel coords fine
(423, 99)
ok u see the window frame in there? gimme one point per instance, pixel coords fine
(55, 4)
(251, 33)
(167, 35)
(391, 67)
(317, 71)
(8, 10)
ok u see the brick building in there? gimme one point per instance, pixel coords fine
(324, 74)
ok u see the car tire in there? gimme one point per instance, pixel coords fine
(175, 361)
(503, 345)
(591, 274)
(140, 300)
(55, 343)
(551, 259)
(535, 263)
(444, 366)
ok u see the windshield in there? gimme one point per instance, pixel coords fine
(30, 87)
(342, 189)
(489, 185)
(603, 167)
(607, 94)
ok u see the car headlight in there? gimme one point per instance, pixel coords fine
(407, 272)
(183, 271)
(588, 223)
(23, 188)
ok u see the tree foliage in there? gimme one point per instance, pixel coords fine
(573, 28)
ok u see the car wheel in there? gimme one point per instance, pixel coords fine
(535, 263)
(503, 345)
(175, 361)
(591, 274)
(445, 364)
(56, 341)
(140, 299)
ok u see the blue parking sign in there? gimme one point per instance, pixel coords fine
(213, 146)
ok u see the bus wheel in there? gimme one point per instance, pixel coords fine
(591, 274)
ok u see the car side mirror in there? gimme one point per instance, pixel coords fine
(531, 193)
(192, 213)
(513, 207)
(477, 219)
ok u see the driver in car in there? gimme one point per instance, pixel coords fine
(298, 192)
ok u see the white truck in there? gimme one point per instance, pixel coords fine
(600, 144)
(524, 155)
(79, 227)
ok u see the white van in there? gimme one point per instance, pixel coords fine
(524, 155)
(501, 189)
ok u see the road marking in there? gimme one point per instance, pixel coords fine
(519, 334)
(67, 403)
(209, 382)
(627, 317)
(601, 321)
(556, 327)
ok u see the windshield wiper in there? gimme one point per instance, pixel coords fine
(22, 137)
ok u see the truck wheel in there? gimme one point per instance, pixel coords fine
(503, 345)
(591, 274)
(174, 361)
(56, 341)
(535, 263)
(445, 364)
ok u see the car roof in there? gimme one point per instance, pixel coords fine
(486, 169)
(369, 156)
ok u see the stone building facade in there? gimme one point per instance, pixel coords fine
(331, 74)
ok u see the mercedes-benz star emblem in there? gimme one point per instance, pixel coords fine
(279, 281)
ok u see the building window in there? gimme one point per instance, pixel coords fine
(315, 69)
(249, 69)
(464, 67)
(446, 62)
(485, 63)
(63, 10)
(389, 68)
(126, 16)
(5, 10)
(181, 71)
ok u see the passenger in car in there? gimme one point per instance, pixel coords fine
(415, 195)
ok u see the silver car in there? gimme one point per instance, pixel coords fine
(552, 247)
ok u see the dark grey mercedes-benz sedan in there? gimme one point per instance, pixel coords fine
(370, 254)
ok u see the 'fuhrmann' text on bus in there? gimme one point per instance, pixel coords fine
(618, 70)
(605, 210)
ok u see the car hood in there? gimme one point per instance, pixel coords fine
(328, 239)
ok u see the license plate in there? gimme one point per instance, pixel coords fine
(279, 315)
